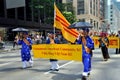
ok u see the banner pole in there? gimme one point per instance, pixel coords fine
(54, 20)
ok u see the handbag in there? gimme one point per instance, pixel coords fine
(30, 46)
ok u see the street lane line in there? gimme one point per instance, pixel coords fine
(3, 64)
(66, 64)
(60, 66)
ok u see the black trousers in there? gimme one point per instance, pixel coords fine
(14, 43)
(117, 51)
(53, 60)
(105, 54)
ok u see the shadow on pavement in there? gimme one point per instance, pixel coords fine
(62, 76)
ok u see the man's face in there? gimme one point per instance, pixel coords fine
(51, 36)
(85, 33)
(25, 35)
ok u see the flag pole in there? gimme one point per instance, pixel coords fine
(54, 32)
(54, 21)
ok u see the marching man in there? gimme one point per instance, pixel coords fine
(54, 62)
(87, 47)
(26, 42)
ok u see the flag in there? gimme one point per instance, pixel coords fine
(61, 23)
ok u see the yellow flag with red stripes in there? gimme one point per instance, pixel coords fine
(61, 23)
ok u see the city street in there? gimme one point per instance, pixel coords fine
(26, 24)
(10, 68)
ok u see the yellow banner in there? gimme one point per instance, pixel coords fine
(96, 43)
(114, 42)
(58, 51)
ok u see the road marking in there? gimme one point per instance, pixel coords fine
(5, 64)
(60, 66)
(10, 62)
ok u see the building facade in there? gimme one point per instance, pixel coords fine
(27, 15)
(114, 16)
(90, 11)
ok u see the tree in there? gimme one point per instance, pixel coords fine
(70, 17)
(68, 11)
(44, 9)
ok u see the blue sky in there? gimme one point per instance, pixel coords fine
(109, 1)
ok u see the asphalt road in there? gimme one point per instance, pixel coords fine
(10, 68)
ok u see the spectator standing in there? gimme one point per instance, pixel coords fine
(103, 44)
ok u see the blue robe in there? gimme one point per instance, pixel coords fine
(86, 57)
(25, 50)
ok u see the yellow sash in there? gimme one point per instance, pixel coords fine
(84, 43)
(26, 41)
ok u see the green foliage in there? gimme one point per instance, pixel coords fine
(68, 11)
(45, 8)
(70, 17)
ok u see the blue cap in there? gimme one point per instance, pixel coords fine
(85, 29)
(51, 32)
(26, 33)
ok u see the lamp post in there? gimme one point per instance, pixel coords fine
(105, 26)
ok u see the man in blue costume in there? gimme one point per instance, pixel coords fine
(52, 40)
(26, 42)
(87, 47)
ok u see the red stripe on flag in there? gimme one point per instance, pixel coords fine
(62, 20)
(59, 19)
(73, 32)
(67, 30)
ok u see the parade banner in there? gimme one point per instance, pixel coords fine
(114, 42)
(96, 43)
(58, 51)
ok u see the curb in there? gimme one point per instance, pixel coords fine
(8, 50)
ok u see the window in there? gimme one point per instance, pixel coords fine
(1, 8)
(80, 6)
(80, 11)
(20, 13)
(81, 20)
(111, 19)
(28, 11)
(11, 13)
(69, 1)
(111, 7)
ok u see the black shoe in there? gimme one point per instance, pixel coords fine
(89, 74)
(84, 77)
(56, 69)
(51, 69)
(24, 68)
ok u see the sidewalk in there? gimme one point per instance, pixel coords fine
(9, 47)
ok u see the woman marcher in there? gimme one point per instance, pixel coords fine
(1, 43)
(103, 44)
(87, 47)
(15, 41)
(54, 62)
(26, 42)
(118, 49)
